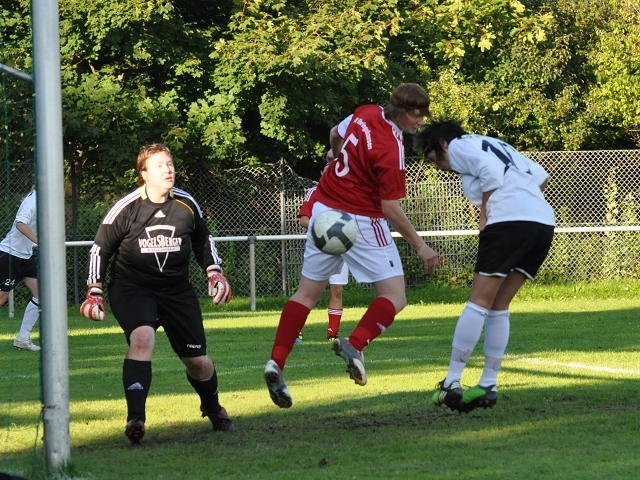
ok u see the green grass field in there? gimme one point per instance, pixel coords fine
(568, 397)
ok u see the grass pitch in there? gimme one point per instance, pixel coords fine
(567, 405)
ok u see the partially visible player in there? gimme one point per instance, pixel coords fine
(367, 180)
(17, 263)
(152, 232)
(336, 281)
(516, 230)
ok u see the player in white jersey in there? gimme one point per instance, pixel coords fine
(17, 263)
(367, 180)
(516, 230)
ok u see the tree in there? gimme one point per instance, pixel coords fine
(614, 98)
(236, 82)
(286, 72)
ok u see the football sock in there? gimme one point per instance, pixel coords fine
(465, 338)
(496, 337)
(378, 317)
(335, 315)
(31, 314)
(292, 319)
(207, 390)
(136, 379)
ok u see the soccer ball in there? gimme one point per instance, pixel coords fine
(334, 232)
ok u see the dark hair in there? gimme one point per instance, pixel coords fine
(146, 152)
(430, 136)
(407, 97)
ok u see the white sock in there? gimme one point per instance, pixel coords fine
(465, 338)
(31, 314)
(496, 337)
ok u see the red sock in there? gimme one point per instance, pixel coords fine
(335, 315)
(378, 317)
(292, 319)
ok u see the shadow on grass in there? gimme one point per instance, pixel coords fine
(531, 433)
(586, 430)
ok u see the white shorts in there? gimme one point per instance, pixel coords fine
(372, 258)
(341, 278)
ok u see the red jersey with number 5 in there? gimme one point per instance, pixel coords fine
(370, 166)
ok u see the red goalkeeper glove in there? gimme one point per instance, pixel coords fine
(219, 288)
(93, 306)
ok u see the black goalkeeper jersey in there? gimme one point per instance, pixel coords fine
(151, 242)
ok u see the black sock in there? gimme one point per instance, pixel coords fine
(208, 392)
(136, 379)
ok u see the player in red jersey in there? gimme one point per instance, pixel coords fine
(336, 281)
(367, 180)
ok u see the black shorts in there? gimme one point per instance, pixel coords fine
(176, 309)
(508, 246)
(15, 269)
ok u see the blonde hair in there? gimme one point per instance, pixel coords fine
(145, 153)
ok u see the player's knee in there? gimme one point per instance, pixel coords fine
(398, 300)
(142, 340)
(307, 297)
(199, 368)
(401, 303)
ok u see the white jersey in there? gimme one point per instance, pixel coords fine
(485, 164)
(15, 243)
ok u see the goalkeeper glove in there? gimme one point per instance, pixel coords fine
(93, 306)
(219, 288)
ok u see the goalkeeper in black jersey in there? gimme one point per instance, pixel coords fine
(150, 233)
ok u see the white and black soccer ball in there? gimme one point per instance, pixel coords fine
(334, 232)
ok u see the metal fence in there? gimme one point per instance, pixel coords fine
(596, 196)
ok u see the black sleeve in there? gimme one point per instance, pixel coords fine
(204, 247)
(105, 244)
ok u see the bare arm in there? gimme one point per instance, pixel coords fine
(483, 209)
(336, 141)
(304, 221)
(544, 184)
(26, 231)
(395, 214)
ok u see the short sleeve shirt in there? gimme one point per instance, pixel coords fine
(369, 168)
(307, 204)
(16, 243)
(490, 164)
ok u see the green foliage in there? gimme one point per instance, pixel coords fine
(467, 35)
(234, 83)
(15, 34)
(290, 73)
(615, 96)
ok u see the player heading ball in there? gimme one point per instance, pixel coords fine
(516, 230)
(366, 180)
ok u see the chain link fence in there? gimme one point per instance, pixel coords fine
(595, 194)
